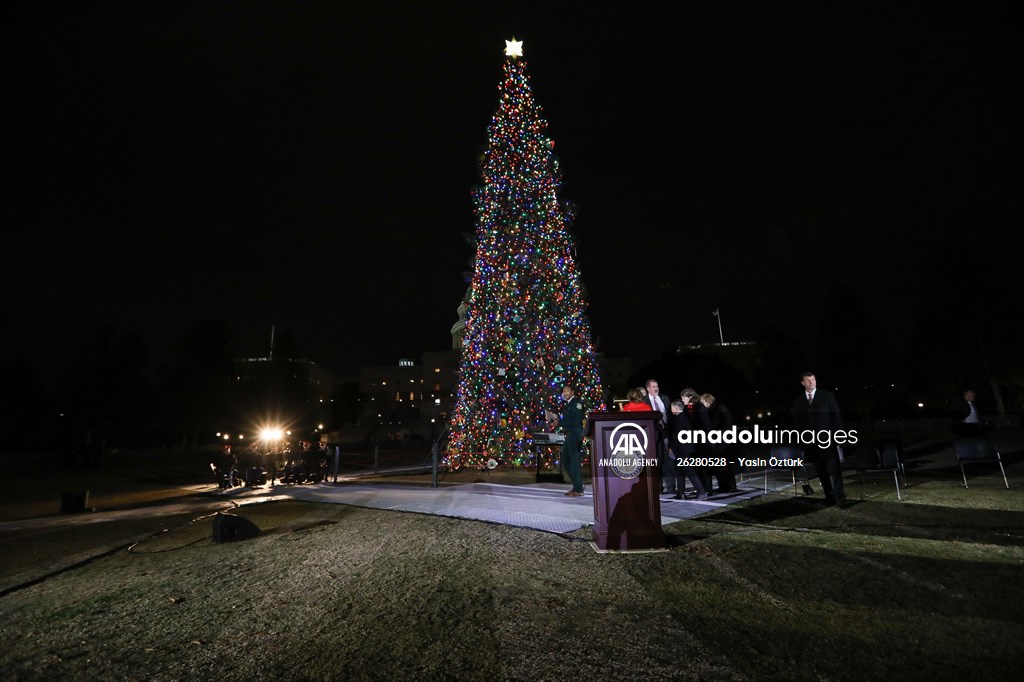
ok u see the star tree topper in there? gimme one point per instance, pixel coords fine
(513, 48)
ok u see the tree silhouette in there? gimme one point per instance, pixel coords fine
(853, 353)
(108, 390)
(966, 333)
(199, 386)
(27, 414)
(777, 379)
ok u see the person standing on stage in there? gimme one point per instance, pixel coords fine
(635, 401)
(658, 403)
(571, 420)
(721, 421)
(699, 421)
(682, 451)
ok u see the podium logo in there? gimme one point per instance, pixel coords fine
(628, 440)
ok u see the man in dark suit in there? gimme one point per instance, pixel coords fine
(721, 421)
(664, 454)
(656, 400)
(968, 418)
(699, 421)
(818, 411)
(681, 423)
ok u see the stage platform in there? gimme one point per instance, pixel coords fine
(542, 506)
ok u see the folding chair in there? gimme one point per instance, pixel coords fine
(894, 448)
(977, 449)
(790, 452)
(875, 460)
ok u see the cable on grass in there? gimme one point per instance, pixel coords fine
(101, 555)
(131, 547)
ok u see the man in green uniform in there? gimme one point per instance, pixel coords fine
(571, 421)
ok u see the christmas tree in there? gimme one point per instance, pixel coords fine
(527, 332)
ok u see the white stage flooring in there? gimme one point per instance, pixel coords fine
(542, 506)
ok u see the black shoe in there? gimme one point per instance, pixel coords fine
(677, 496)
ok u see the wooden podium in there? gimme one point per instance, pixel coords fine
(626, 481)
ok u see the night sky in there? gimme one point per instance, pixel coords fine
(309, 165)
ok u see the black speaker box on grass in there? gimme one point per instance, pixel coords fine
(229, 528)
(74, 502)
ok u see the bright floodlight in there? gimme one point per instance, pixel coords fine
(271, 434)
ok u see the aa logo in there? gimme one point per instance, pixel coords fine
(628, 440)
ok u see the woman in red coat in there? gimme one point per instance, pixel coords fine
(635, 402)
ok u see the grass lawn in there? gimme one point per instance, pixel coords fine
(777, 588)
